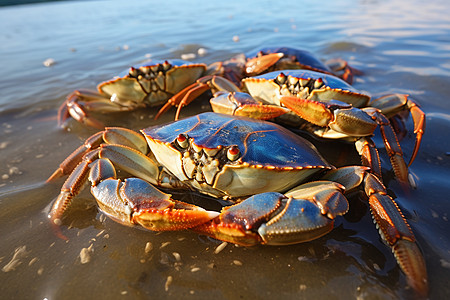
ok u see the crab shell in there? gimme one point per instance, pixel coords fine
(306, 84)
(152, 83)
(264, 156)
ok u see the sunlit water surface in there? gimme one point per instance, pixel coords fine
(402, 46)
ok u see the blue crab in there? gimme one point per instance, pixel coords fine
(291, 193)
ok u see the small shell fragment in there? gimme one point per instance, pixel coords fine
(164, 245)
(85, 254)
(177, 256)
(148, 247)
(237, 262)
(220, 247)
(168, 282)
(19, 253)
(202, 51)
(188, 56)
(49, 62)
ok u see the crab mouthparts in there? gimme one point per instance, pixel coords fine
(200, 165)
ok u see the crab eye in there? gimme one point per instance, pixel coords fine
(182, 141)
(233, 153)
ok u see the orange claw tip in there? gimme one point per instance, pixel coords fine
(173, 219)
(57, 174)
(55, 223)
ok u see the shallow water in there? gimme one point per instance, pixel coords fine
(402, 46)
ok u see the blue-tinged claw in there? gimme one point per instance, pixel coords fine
(269, 218)
(299, 221)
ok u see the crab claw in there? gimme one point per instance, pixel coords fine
(257, 65)
(342, 69)
(242, 104)
(136, 202)
(272, 219)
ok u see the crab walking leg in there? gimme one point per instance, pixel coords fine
(125, 157)
(397, 233)
(342, 69)
(190, 93)
(70, 163)
(393, 228)
(111, 135)
(369, 155)
(391, 104)
(71, 187)
(80, 102)
(391, 144)
(77, 165)
(352, 121)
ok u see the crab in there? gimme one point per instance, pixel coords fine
(291, 193)
(156, 82)
(324, 105)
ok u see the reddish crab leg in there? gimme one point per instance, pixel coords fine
(111, 135)
(369, 155)
(342, 69)
(419, 127)
(188, 94)
(397, 233)
(193, 90)
(69, 164)
(391, 144)
(391, 105)
(393, 227)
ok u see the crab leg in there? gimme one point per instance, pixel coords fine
(342, 69)
(71, 187)
(133, 148)
(393, 228)
(197, 88)
(69, 164)
(391, 144)
(190, 93)
(369, 155)
(111, 135)
(390, 105)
